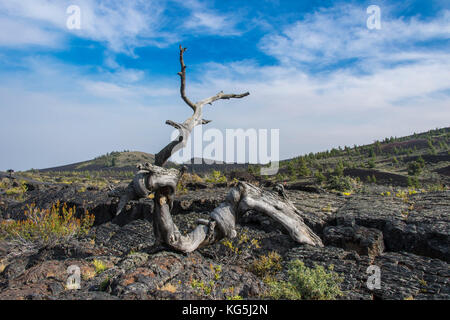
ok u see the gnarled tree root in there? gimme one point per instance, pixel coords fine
(241, 198)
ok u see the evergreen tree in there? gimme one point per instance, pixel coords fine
(303, 169)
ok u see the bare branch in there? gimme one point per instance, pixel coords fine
(221, 95)
(182, 75)
(196, 119)
(174, 124)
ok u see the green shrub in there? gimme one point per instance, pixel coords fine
(267, 266)
(414, 168)
(104, 284)
(18, 191)
(303, 169)
(320, 177)
(307, 283)
(208, 288)
(341, 183)
(99, 266)
(413, 182)
(216, 177)
(237, 248)
(47, 226)
(339, 169)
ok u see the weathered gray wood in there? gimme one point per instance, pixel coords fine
(169, 234)
(148, 179)
(278, 207)
(241, 198)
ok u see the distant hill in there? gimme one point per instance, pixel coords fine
(127, 161)
(410, 160)
(202, 166)
(384, 159)
(114, 161)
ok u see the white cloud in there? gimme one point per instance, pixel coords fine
(209, 23)
(121, 92)
(20, 33)
(203, 20)
(121, 25)
(318, 112)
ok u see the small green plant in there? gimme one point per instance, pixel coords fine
(233, 250)
(104, 284)
(208, 288)
(4, 184)
(99, 266)
(18, 191)
(230, 294)
(235, 297)
(307, 283)
(267, 266)
(216, 177)
(203, 288)
(181, 188)
(436, 187)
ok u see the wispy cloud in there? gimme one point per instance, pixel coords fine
(26, 34)
(121, 25)
(204, 20)
(332, 35)
(396, 84)
(211, 23)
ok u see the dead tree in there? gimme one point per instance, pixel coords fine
(241, 198)
(196, 119)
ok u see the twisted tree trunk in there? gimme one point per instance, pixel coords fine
(241, 198)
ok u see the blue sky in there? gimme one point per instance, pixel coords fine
(313, 68)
